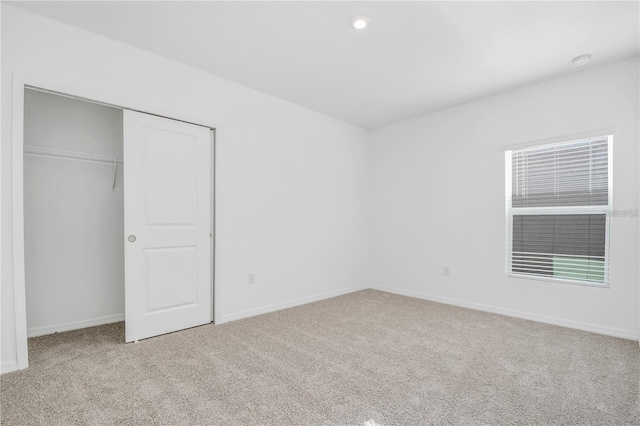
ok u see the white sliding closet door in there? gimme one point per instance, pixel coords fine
(167, 224)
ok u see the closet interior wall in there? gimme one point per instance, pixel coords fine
(73, 215)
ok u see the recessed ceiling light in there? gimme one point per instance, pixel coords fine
(360, 22)
(581, 60)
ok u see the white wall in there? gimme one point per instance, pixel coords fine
(291, 184)
(437, 198)
(73, 220)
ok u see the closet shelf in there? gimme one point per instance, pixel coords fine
(70, 155)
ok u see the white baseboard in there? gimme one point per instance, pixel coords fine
(288, 304)
(593, 328)
(8, 366)
(67, 326)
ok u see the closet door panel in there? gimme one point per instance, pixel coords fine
(165, 267)
(167, 225)
(170, 180)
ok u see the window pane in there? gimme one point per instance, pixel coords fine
(567, 174)
(563, 246)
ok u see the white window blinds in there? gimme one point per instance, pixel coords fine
(558, 204)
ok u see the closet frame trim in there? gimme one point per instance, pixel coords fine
(21, 82)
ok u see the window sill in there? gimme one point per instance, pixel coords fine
(557, 280)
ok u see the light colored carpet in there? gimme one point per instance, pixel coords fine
(367, 358)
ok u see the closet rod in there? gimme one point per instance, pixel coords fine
(70, 155)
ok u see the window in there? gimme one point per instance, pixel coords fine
(558, 204)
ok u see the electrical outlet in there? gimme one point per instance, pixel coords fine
(445, 271)
(252, 278)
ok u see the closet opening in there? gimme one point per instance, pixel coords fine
(96, 243)
(73, 213)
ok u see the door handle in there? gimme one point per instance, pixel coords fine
(131, 238)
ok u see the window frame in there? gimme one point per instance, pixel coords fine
(510, 211)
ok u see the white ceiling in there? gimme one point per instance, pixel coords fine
(414, 58)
